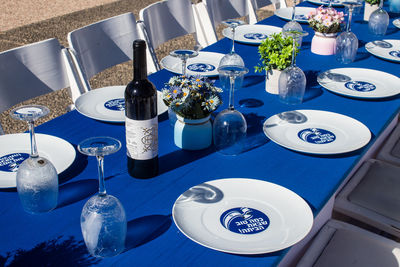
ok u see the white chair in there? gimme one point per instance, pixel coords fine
(33, 70)
(165, 20)
(390, 152)
(343, 244)
(257, 4)
(102, 45)
(372, 196)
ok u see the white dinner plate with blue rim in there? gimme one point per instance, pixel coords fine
(205, 64)
(387, 49)
(327, 2)
(301, 13)
(15, 148)
(242, 216)
(251, 34)
(360, 82)
(316, 132)
(108, 104)
(396, 23)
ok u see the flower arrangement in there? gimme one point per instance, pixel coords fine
(275, 52)
(193, 97)
(326, 20)
(373, 2)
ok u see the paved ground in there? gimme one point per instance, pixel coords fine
(27, 21)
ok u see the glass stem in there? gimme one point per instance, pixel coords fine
(34, 152)
(184, 66)
(294, 11)
(380, 4)
(233, 40)
(348, 28)
(102, 185)
(231, 92)
(293, 52)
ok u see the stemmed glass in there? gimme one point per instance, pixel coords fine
(103, 220)
(184, 55)
(293, 25)
(292, 81)
(378, 21)
(37, 179)
(347, 42)
(230, 127)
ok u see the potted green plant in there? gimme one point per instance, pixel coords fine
(370, 6)
(276, 55)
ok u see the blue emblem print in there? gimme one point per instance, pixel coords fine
(244, 220)
(301, 17)
(395, 53)
(316, 136)
(255, 36)
(115, 104)
(360, 86)
(11, 162)
(201, 67)
(332, 1)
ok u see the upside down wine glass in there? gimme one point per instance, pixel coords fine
(378, 21)
(292, 81)
(103, 220)
(37, 179)
(184, 55)
(293, 25)
(347, 42)
(230, 127)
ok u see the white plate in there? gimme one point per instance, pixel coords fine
(15, 148)
(387, 49)
(360, 83)
(251, 34)
(108, 104)
(326, 2)
(396, 23)
(213, 214)
(317, 132)
(205, 64)
(301, 12)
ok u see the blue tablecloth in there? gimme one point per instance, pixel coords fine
(153, 239)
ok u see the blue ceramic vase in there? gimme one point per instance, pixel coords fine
(192, 134)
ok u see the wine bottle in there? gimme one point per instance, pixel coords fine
(141, 122)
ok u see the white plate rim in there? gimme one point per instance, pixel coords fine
(372, 51)
(319, 2)
(61, 161)
(82, 102)
(354, 94)
(202, 54)
(396, 23)
(280, 13)
(308, 217)
(355, 123)
(227, 32)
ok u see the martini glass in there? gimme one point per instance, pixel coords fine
(347, 42)
(230, 127)
(378, 21)
(292, 81)
(293, 25)
(184, 55)
(37, 179)
(103, 220)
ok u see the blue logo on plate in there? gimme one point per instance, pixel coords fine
(395, 53)
(255, 36)
(244, 220)
(332, 1)
(201, 67)
(316, 136)
(115, 104)
(360, 86)
(301, 17)
(11, 162)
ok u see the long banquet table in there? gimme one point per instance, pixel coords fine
(153, 239)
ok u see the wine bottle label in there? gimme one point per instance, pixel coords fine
(141, 138)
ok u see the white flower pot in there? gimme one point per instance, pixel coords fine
(368, 9)
(272, 81)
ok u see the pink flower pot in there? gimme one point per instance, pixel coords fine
(324, 43)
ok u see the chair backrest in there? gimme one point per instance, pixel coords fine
(257, 4)
(103, 44)
(220, 10)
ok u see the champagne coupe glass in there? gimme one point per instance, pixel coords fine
(103, 220)
(347, 42)
(293, 25)
(292, 81)
(229, 128)
(37, 179)
(184, 55)
(378, 21)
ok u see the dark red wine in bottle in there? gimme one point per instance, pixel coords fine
(141, 123)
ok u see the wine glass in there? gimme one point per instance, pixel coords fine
(103, 220)
(229, 128)
(37, 178)
(292, 81)
(378, 21)
(184, 55)
(293, 25)
(347, 42)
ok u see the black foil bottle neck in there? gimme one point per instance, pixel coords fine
(139, 60)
